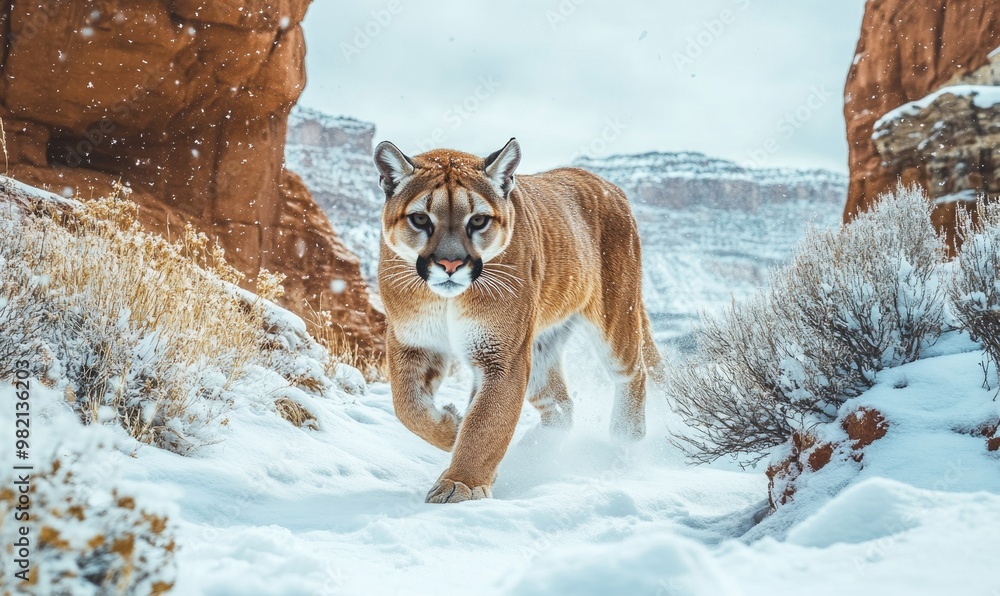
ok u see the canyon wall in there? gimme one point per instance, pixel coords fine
(917, 103)
(186, 102)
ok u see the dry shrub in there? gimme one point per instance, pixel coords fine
(295, 413)
(874, 286)
(851, 302)
(341, 348)
(148, 331)
(756, 378)
(975, 288)
(21, 312)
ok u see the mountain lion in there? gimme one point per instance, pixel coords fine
(497, 271)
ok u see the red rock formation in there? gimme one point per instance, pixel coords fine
(864, 427)
(992, 433)
(186, 101)
(906, 51)
(807, 454)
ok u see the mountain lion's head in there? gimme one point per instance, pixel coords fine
(446, 215)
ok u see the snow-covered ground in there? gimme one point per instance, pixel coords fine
(274, 509)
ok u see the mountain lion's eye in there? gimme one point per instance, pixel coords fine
(478, 222)
(420, 220)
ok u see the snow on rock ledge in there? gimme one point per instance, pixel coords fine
(952, 133)
(948, 141)
(28, 198)
(981, 96)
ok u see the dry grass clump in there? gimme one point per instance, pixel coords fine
(341, 348)
(295, 413)
(975, 288)
(868, 296)
(147, 330)
(22, 312)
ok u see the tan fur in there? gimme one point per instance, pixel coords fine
(562, 250)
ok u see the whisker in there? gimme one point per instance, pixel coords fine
(501, 272)
(485, 286)
(506, 288)
(499, 284)
(413, 279)
(397, 264)
(402, 272)
(508, 276)
(402, 276)
(500, 276)
(410, 285)
(398, 277)
(490, 287)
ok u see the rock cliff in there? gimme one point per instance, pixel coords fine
(334, 157)
(688, 180)
(924, 53)
(185, 101)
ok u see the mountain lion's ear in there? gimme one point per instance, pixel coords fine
(500, 166)
(393, 167)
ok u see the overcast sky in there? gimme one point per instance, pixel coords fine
(755, 81)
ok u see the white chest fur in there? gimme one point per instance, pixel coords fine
(442, 327)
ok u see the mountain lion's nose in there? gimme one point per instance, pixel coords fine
(450, 266)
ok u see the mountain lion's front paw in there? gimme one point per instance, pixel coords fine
(451, 491)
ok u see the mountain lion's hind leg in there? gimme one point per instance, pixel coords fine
(414, 376)
(620, 335)
(628, 417)
(546, 386)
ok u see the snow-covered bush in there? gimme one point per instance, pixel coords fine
(21, 312)
(851, 302)
(975, 287)
(86, 534)
(756, 378)
(874, 285)
(149, 332)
